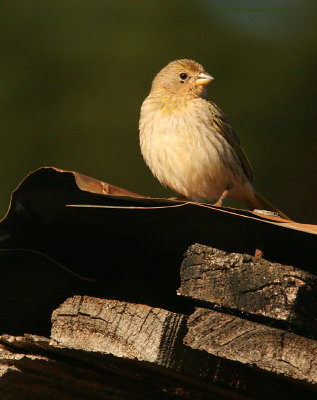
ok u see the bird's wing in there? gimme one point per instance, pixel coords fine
(222, 126)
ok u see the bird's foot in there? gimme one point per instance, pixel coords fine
(223, 196)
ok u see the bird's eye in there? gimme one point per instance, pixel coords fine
(183, 76)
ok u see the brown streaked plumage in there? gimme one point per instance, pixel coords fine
(189, 144)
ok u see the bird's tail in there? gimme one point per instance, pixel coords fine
(263, 204)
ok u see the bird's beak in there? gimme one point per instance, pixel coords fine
(203, 79)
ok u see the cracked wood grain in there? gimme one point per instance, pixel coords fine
(254, 344)
(118, 328)
(249, 284)
(113, 350)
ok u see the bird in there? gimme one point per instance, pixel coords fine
(189, 144)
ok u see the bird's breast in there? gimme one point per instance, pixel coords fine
(183, 150)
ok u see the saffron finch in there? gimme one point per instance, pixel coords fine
(189, 144)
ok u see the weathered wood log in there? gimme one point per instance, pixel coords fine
(106, 349)
(250, 343)
(249, 284)
(114, 327)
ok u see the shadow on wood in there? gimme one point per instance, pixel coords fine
(66, 234)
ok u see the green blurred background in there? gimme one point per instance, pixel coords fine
(74, 74)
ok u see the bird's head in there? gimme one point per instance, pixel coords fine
(182, 79)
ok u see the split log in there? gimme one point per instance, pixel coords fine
(250, 343)
(250, 284)
(135, 331)
(106, 349)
